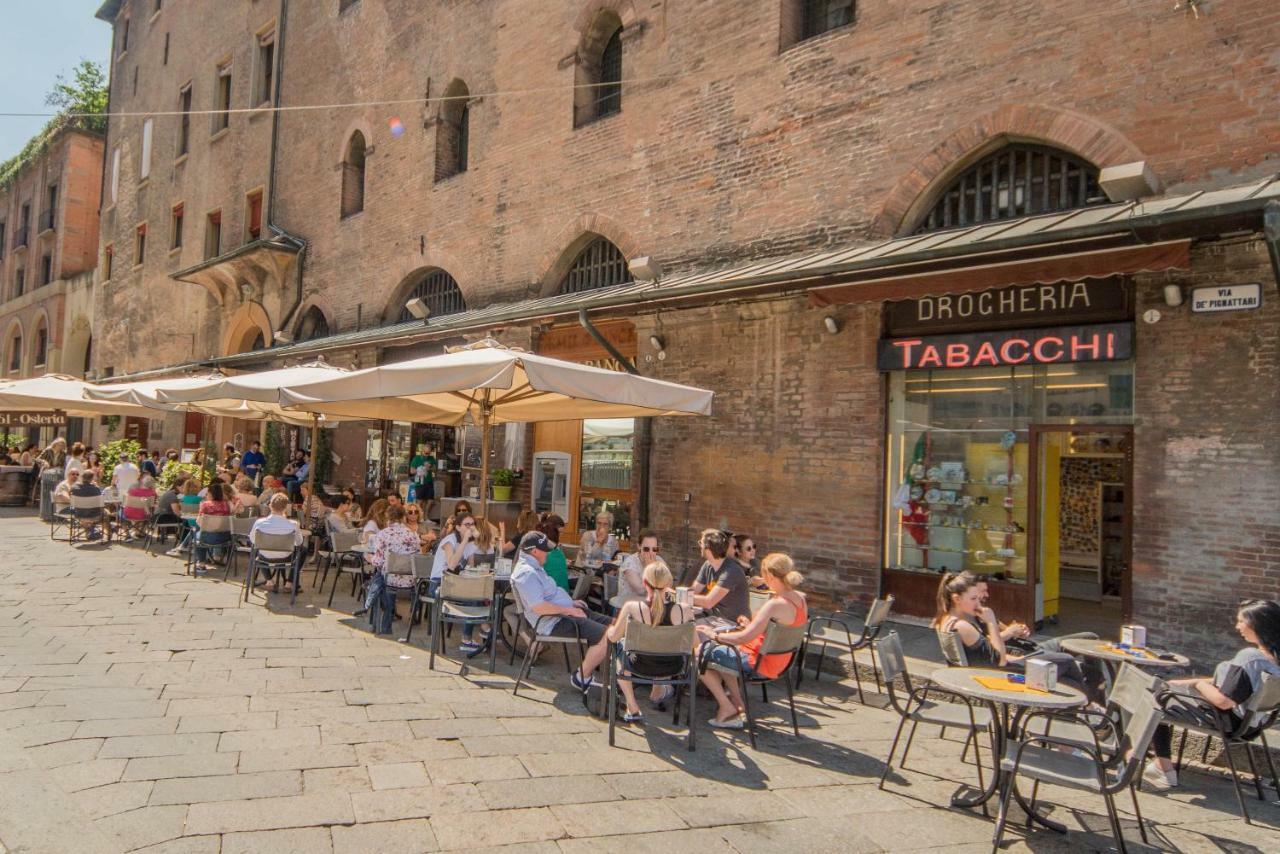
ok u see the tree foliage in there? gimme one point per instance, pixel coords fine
(81, 103)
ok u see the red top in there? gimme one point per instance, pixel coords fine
(209, 507)
(770, 666)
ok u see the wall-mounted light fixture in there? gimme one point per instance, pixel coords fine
(645, 269)
(832, 325)
(283, 337)
(418, 308)
(656, 342)
(1172, 295)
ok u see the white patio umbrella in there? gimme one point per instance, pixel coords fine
(487, 383)
(147, 393)
(61, 393)
(257, 396)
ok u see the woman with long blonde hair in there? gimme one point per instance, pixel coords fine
(658, 608)
(740, 647)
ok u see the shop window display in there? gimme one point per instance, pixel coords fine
(958, 461)
(605, 479)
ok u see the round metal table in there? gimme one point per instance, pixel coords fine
(1104, 650)
(963, 681)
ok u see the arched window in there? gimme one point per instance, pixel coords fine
(454, 131)
(353, 176)
(599, 72)
(313, 325)
(40, 345)
(259, 343)
(1017, 180)
(438, 290)
(13, 360)
(600, 264)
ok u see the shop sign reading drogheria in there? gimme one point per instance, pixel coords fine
(1098, 343)
(1017, 307)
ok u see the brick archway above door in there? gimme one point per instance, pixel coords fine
(1089, 138)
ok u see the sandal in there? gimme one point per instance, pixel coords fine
(733, 723)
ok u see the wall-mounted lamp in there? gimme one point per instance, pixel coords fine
(1172, 295)
(284, 337)
(418, 308)
(832, 325)
(656, 342)
(645, 269)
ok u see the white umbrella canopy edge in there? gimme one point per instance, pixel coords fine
(61, 393)
(257, 387)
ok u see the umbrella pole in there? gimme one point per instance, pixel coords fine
(486, 411)
(315, 446)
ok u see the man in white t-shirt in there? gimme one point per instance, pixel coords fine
(125, 476)
(276, 523)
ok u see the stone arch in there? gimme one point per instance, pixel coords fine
(77, 347)
(572, 238)
(600, 29)
(32, 342)
(409, 265)
(243, 328)
(589, 14)
(317, 303)
(1076, 133)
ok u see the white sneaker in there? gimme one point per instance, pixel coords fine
(1157, 779)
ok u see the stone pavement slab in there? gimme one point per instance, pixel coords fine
(149, 711)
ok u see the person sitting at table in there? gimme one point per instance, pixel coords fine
(960, 611)
(525, 522)
(355, 513)
(340, 517)
(453, 550)
(188, 507)
(488, 539)
(395, 538)
(744, 552)
(146, 466)
(556, 564)
(62, 492)
(543, 597)
(658, 608)
(721, 586)
(375, 521)
(741, 646)
(244, 497)
(599, 544)
(270, 486)
(1233, 682)
(425, 530)
(276, 522)
(87, 488)
(94, 464)
(631, 570)
(136, 516)
(214, 504)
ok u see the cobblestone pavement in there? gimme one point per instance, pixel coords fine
(141, 709)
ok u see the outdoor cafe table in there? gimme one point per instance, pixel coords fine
(1008, 705)
(1109, 652)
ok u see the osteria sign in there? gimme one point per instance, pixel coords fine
(33, 419)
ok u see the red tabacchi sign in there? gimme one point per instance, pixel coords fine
(1105, 342)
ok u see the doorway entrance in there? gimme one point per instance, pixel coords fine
(1082, 527)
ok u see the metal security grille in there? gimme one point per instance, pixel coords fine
(823, 15)
(609, 92)
(1016, 181)
(440, 292)
(599, 265)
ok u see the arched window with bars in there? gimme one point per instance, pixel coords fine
(1017, 180)
(600, 264)
(313, 325)
(598, 93)
(437, 290)
(453, 134)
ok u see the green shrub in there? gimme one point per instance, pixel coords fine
(173, 468)
(112, 453)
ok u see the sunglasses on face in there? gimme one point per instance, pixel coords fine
(468, 524)
(748, 548)
(653, 549)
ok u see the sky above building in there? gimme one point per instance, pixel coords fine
(40, 39)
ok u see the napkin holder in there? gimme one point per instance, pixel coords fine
(1042, 675)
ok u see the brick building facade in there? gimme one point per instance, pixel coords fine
(731, 139)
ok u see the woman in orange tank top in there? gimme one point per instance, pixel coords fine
(786, 606)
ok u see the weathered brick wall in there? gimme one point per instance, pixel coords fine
(1207, 455)
(793, 453)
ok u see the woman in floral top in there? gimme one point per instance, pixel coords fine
(396, 538)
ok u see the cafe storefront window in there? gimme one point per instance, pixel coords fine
(959, 461)
(605, 478)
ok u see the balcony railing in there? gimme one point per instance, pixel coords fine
(21, 236)
(48, 220)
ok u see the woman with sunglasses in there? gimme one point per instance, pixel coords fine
(631, 570)
(453, 550)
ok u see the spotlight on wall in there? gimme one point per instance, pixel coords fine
(645, 269)
(1172, 296)
(418, 308)
(283, 337)
(832, 325)
(656, 342)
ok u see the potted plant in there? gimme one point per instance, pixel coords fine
(502, 480)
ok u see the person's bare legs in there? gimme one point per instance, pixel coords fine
(594, 656)
(715, 684)
(629, 691)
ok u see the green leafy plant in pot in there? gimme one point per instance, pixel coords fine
(502, 480)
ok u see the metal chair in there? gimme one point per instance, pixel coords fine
(778, 640)
(756, 600)
(137, 502)
(642, 639)
(87, 512)
(1042, 759)
(344, 543)
(822, 629)
(467, 601)
(952, 649)
(919, 709)
(208, 525)
(536, 638)
(1260, 714)
(241, 527)
(288, 565)
(412, 565)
